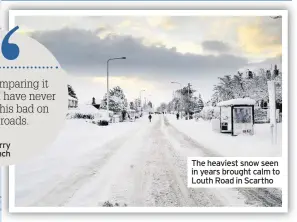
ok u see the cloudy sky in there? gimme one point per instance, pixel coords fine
(158, 49)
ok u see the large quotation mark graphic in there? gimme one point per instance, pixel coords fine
(10, 50)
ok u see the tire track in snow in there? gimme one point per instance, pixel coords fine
(165, 188)
(118, 181)
(178, 151)
(157, 174)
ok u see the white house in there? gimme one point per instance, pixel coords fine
(72, 102)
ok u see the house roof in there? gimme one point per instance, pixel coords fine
(239, 101)
(89, 109)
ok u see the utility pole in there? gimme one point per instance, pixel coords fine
(189, 85)
(140, 99)
(107, 81)
(179, 110)
(272, 107)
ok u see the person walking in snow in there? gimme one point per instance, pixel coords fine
(150, 117)
(177, 116)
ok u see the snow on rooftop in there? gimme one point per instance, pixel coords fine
(239, 101)
(86, 109)
(71, 98)
(90, 110)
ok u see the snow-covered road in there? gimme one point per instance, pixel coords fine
(144, 166)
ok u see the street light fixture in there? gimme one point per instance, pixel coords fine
(107, 80)
(177, 83)
(276, 17)
(140, 95)
(179, 95)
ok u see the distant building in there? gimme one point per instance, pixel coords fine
(72, 102)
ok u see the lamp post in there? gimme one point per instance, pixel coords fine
(189, 85)
(179, 97)
(140, 98)
(107, 80)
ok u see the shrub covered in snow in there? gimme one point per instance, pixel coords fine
(109, 204)
(261, 115)
(209, 112)
(89, 112)
(82, 116)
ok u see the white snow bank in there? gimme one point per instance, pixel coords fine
(88, 109)
(258, 145)
(78, 143)
(239, 101)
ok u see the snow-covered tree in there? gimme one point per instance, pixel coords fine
(162, 107)
(71, 91)
(170, 106)
(253, 85)
(117, 100)
(187, 98)
(199, 104)
(137, 104)
(150, 104)
(225, 89)
(177, 104)
(186, 101)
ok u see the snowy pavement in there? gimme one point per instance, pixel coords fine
(125, 164)
(258, 145)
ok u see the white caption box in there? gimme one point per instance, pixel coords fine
(222, 172)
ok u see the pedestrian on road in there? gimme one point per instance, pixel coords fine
(177, 116)
(150, 117)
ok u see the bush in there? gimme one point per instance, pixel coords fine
(261, 115)
(209, 113)
(109, 204)
(81, 116)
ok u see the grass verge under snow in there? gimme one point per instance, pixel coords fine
(258, 145)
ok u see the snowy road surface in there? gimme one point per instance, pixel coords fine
(144, 165)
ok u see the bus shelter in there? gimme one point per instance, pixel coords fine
(237, 116)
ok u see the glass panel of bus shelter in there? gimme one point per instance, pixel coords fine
(226, 116)
(242, 120)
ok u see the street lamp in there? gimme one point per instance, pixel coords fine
(140, 95)
(276, 17)
(107, 80)
(177, 83)
(179, 95)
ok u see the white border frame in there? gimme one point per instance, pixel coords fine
(283, 209)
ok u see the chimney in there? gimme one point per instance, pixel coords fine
(93, 101)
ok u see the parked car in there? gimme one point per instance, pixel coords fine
(105, 118)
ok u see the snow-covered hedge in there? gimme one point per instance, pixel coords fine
(89, 112)
(209, 112)
(261, 115)
(80, 116)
